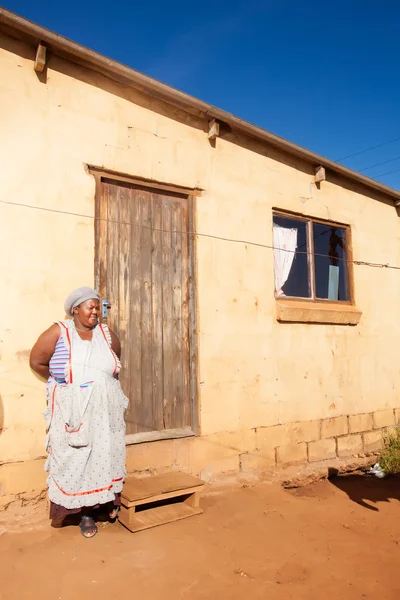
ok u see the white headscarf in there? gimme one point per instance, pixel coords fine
(78, 296)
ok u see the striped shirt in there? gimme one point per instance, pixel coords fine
(59, 361)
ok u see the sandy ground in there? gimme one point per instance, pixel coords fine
(333, 539)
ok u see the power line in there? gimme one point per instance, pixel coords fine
(368, 149)
(204, 235)
(387, 173)
(385, 162)
(316, 236)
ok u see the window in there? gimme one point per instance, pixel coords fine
(311, 259)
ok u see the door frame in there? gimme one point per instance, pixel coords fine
(99, 175)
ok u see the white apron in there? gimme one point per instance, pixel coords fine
(85, 423)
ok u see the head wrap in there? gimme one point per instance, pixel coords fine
(78, 296)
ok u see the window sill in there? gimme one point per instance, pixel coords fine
(296, 311)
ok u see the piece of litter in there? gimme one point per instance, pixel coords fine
(377, 471)
(241, 573)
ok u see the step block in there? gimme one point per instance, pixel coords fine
(160, 499)
(159, 515)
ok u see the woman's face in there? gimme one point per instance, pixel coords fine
(88, 312)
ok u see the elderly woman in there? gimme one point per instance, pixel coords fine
(85, 439)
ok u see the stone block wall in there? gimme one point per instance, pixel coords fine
(261, 450)
(357, 436)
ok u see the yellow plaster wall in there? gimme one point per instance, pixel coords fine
(253, 371)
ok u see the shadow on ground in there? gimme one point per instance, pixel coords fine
(368, 491)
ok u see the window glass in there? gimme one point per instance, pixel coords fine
(331, 271)
(320, 272)
(290, 258)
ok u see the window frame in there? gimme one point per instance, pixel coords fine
(311, 258)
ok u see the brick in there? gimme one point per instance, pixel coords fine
(360, 423)
(292, 455)
(334, 427)
(269, 438)
(27, 476)
(383, 418)
(349, 444)
(243, 440)
(5, 501)
(257, 461)
(307, 431)
(373, 441)
(223, 466)
(197, 453)
(151, 456)
(388, 430)
(321, 450)
(289, 434)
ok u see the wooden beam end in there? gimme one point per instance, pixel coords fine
(40, 61)
(213, 130)
(320, 174)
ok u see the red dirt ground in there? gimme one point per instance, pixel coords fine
(336, 539)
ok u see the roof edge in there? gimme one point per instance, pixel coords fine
(115, 70)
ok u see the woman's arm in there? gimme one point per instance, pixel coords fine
(43, 350)
(115, 343)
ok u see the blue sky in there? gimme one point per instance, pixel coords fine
(321, 74)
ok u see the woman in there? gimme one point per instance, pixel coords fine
(85, 411)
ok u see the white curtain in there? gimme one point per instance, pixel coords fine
(285, 244)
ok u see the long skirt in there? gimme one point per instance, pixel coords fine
(86, 460)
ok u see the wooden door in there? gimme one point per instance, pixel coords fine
(145, 269)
